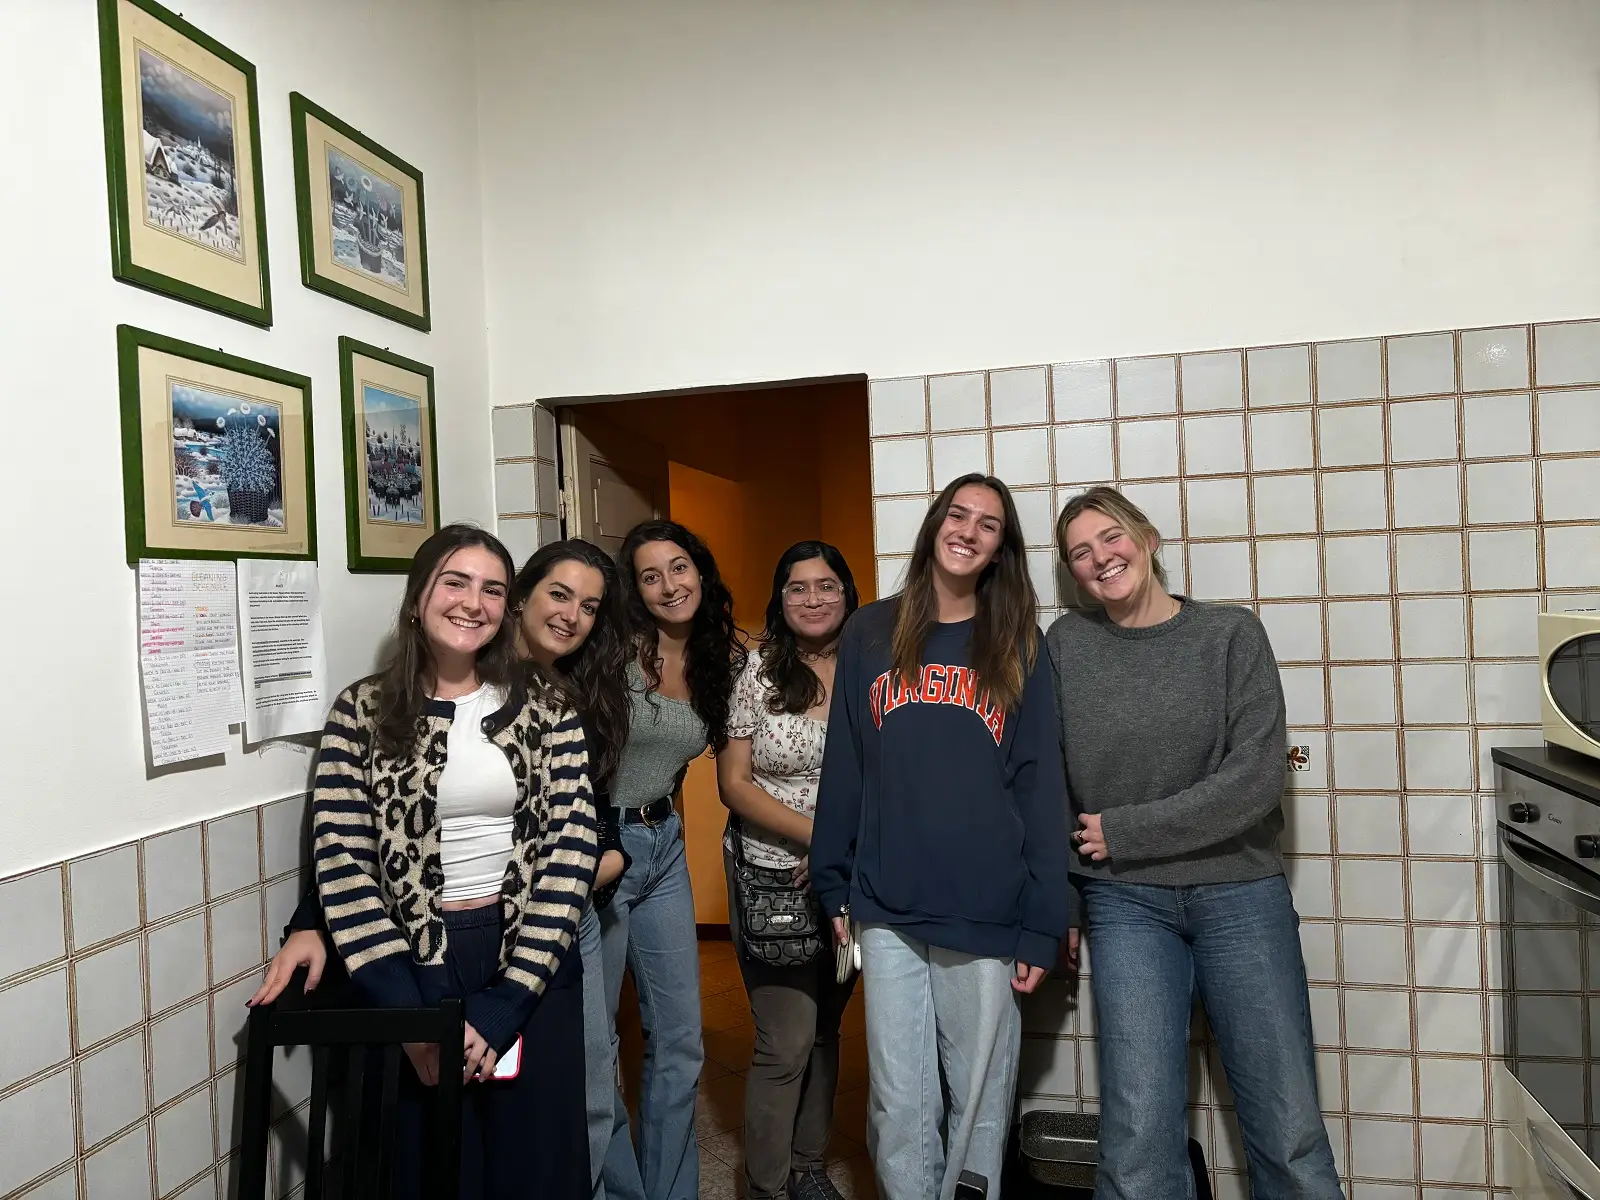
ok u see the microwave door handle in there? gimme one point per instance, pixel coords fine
(1548, 881)
(1553, 1169)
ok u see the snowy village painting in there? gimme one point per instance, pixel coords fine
(216, 452)
(393, 426)
(182, 129)
(367, 220)
(186, 129)
(225, 458)
(359, 206)
(391, 470)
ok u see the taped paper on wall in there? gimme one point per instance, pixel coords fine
(188, 657)
(285, 667)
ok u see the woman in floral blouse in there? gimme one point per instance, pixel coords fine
(768, 779)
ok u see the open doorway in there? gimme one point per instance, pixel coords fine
(752, 470)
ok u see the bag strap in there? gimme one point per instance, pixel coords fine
(736, 827)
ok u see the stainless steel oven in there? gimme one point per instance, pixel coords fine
(1548, 811)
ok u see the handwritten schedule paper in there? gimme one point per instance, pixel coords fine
(285, 668)
(188, 657)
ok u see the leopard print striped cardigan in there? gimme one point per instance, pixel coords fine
(375, 836)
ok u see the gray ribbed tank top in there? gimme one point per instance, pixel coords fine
(664, 735)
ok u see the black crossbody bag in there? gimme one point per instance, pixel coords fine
(780, 924)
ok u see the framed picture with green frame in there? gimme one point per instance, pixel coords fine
(363, 230)
(391, 462)
(183, 162)
(216, 453)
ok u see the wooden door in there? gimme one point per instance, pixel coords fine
(611, 479)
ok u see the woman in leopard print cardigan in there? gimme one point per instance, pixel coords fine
(388, 862)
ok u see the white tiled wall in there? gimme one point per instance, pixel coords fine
(527, 486)
(123, 977)
(1397, 510)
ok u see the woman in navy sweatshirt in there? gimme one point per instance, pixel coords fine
(941, 829)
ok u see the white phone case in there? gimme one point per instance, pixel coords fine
(509, 1064)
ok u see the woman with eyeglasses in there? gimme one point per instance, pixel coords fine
(768, 777)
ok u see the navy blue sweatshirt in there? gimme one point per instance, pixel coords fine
(961, 805)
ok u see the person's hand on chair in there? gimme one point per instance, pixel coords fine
(303, 949)
(424, 1058)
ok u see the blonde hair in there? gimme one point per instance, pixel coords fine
(1112, 503)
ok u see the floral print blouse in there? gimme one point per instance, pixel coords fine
(786, 762)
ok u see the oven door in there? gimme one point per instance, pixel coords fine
(1551, 944)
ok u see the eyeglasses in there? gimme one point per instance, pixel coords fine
(826, 591)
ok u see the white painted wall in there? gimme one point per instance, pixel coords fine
(71, 761)
(720, 190)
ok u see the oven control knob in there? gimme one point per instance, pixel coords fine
(1522, 813)
(1587, 845)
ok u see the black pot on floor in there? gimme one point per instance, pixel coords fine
(1059, 1152)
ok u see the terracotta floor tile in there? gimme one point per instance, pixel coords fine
(719, 1181)
(720, 1107)
(854, 1178)
(732, 1047)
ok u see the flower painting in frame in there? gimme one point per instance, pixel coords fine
(363, 238)
(391, 470)
(183, 162)
(216, 453)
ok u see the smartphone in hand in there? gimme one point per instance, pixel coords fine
(509, 1064)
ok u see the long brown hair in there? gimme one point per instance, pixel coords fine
(1005, 633)
(594, 676)
(407, 671)
(795, 686)
(716, 652)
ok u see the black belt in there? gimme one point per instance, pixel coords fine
(649, 815)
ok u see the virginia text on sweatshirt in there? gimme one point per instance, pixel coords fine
(960, 804)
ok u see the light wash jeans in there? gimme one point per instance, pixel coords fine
(648, 929)
(929, 1008)
(1237, 945)
(600, 1071)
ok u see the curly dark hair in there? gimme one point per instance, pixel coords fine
(594, 676)
(795, 686)
(716, 653)
(406, 677)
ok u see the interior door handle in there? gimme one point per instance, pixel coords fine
(1553, 1169)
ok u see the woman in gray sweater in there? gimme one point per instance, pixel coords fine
(1173, 722)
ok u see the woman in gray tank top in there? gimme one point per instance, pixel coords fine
(680, 680)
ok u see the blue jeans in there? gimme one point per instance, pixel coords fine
(649, 929)
(1237, 945)
(600, 1064)
(935, 1016)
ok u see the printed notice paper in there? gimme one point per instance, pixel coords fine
(188, 657)
(285, 669)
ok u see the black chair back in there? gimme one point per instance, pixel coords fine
(363, 1047)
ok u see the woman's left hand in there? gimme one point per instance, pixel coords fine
(802, 873)
(1091, 840)
(1027, 978)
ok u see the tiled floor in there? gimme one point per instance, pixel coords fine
(729, 1038)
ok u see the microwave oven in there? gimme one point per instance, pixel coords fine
(1569, 663)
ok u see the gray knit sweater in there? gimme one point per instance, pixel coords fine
(1175, 735)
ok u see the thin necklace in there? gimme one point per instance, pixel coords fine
(811, 656)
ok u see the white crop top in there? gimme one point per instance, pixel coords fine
(477, 793)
